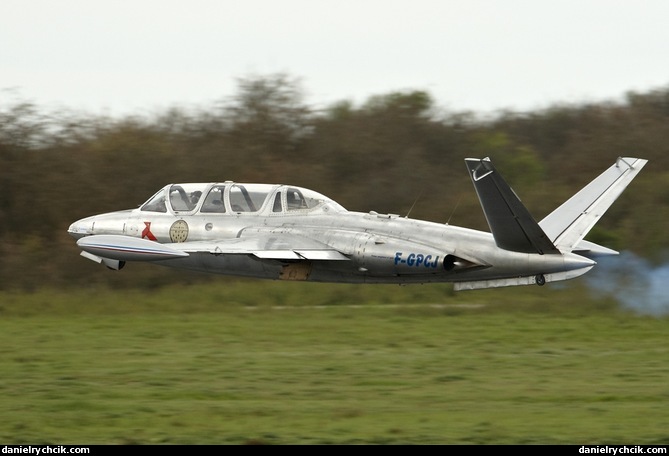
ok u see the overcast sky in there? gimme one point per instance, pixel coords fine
(137, 56)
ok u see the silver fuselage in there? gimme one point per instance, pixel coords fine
(378, 248)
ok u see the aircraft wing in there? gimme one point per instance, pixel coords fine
(274, 246)
(271, 246)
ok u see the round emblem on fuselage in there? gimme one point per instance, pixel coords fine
(179, 231)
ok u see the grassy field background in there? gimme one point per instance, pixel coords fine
(243, 362)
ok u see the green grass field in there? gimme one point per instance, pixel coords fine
(242, 362)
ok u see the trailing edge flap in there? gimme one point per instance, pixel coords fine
(568, 224)
(277, 246)
(511, 224)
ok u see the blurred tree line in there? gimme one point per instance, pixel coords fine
(397, 153)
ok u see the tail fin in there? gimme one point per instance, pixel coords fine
(510, 222)
(567, 225)
(563, 229)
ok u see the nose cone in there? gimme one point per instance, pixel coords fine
(109, 223)
(81, 228)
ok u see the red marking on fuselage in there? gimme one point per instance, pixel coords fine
(147, 232)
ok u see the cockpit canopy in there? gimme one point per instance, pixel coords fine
(235, 198)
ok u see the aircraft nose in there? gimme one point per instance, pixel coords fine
(81, 228)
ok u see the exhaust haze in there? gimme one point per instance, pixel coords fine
(634, 282)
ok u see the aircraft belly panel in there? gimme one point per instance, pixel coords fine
(228, 264)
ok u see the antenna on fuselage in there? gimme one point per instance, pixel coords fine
(414, 202)
(454, 209)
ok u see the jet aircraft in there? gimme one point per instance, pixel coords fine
(287, 232)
